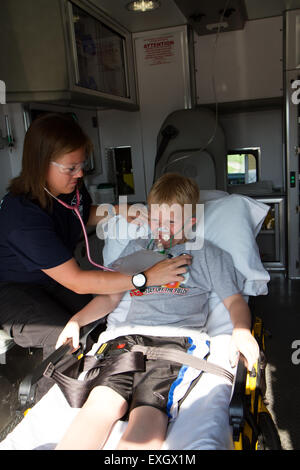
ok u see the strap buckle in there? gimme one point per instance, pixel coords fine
(48, 372)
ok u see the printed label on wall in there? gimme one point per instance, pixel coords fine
(160, 50)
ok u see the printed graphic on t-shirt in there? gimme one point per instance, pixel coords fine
(175, 288)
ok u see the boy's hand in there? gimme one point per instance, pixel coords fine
(70, 331)
(242, 341)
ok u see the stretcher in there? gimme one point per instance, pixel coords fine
(252, 423)
(215, 414)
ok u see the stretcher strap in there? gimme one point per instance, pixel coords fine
(152, 352)
(77, 391)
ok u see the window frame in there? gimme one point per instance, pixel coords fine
(256, 151)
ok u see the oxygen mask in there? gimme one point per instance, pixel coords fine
(163, 238)
(164, 234)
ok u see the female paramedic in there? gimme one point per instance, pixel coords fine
(41, 285)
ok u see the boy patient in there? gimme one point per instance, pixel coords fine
(143, 397)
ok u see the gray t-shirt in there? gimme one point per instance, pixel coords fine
(185, 305)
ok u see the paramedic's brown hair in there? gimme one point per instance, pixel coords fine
(174, 188)
(48, 137)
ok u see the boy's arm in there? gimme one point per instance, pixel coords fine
(242, 340)
(97, 308)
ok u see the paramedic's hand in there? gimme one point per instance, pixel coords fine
(169, 270)
(243, 342)
(70, 331)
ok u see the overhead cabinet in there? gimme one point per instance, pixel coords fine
(240, 65)
(63, 51)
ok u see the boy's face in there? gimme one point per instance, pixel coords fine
(169, 223)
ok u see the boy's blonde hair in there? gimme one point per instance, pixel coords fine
(174, 188)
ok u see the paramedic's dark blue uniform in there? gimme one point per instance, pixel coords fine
(32, 239)
(34, 308)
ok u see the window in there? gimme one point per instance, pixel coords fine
(100, 55)
(243, 166)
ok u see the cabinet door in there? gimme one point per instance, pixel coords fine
(100, 55)
(292, 40)
(246, 64)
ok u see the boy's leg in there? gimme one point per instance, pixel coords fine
(146, 429)
(93, 423)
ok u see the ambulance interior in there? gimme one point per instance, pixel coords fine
(205, 88)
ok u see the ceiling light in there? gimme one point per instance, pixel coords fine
(143, 5)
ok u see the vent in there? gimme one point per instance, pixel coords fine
(204, 16)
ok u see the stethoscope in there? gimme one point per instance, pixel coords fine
(75, 208)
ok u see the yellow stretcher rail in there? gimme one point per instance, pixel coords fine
(253, 425)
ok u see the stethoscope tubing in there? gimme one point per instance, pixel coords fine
(76, 210)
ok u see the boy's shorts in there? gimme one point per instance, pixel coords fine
(151, 387)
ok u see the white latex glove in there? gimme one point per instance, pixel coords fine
(243, 342)
(70, 331)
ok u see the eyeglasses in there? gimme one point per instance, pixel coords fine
(70, 170)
